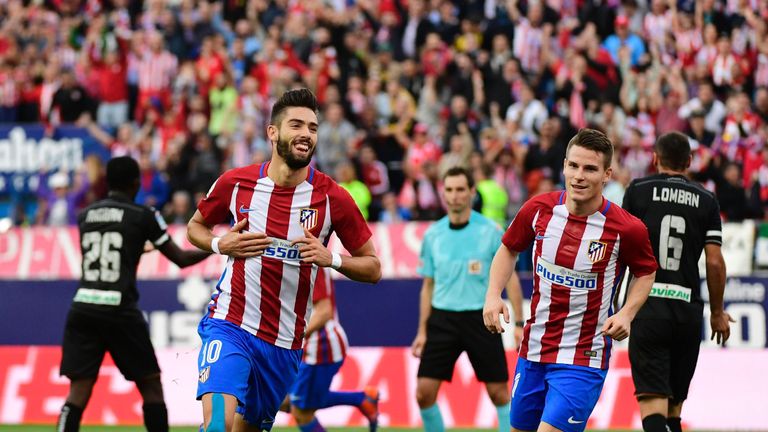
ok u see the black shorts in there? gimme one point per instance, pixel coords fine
(663, 354)
(450, 333)
(87, 337)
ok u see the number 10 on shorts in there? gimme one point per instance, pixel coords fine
(210, 352)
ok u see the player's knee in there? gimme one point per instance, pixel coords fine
(675, 408)
(80, 391)
(302, 416)
(425, 397)
(499, 395)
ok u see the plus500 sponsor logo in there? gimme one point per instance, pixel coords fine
(282, 249)
(568, 278)
(282, 253)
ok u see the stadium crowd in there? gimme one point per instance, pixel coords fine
(408, 89)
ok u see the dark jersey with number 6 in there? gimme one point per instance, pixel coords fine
(681, 217)
(113, 232)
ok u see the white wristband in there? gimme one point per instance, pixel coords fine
(335, 261)
(215, 245)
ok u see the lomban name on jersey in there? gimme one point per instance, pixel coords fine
(106, 214)
(679, 196)
(566, 277)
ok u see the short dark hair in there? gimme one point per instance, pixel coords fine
(706, 82)
(594, 140)
(673, 150)
(302, 97)
(122, 173)
(460, 171)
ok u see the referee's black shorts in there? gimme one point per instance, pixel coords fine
(126, 336)
(663, 354)
(449, 333)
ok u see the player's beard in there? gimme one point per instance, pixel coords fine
(294, 162)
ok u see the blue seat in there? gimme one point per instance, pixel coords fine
(6, 209)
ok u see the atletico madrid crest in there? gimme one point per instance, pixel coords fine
(308, 218)
(204, 374)
(596, 250)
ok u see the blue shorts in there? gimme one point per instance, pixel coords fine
(559, 394)
(313, 385)
(233, 361)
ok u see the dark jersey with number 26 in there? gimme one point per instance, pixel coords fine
(681, 217)
(113, 232)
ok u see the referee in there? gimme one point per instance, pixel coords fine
(682, 219)
(104, 315)
(456, 256)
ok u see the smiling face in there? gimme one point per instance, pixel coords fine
(585, 174)
(295, 137)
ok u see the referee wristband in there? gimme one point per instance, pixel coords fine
(519, 323)
(215, 245)
(335, 261)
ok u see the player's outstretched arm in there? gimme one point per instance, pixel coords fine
(618, 325)
(502, 269)
(180, 257)
(719, 320)
(234, 243)
(362, 266)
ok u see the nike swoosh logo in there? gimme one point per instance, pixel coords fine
(572, 421)
(246, 210)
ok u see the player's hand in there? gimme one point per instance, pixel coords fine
(417, 347)
(312, 250)
(495, 306)
(243, 245)
(617, 327)
(148, 247)
(721, 326)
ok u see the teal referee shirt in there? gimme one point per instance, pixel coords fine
(459, 261)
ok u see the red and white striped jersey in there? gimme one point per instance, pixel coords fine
(268, 295)
(329, 344)
(156, 70)
(578, 263)
(527, 45)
